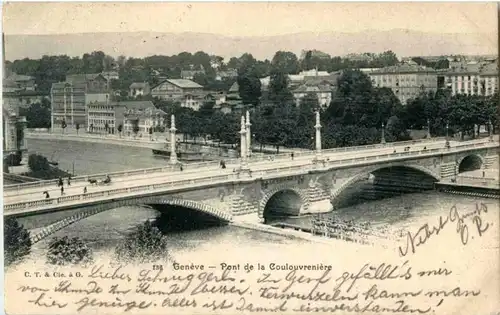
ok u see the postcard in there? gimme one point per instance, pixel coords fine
(250, 157)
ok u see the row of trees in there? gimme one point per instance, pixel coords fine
(354, 116)
(461, 112)
(50, 69)
(143, 245)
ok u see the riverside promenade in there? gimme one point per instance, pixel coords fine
(155, 141)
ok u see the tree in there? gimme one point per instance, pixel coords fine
(120, 129)
(37, 114)
(135, 126)
(38, 163)
(17, 243)
(279, 93)
(249, 88)
(286, 62)
(77, 126)
(63, 125)
(66, 251)
(144, 245)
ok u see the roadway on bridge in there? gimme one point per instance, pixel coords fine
(36, 193)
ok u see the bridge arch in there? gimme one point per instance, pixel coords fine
(367, 171)
(470, 162)
(296, 196)
(87, 211)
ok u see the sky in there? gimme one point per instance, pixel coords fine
(248, 19)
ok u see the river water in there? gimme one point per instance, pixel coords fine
(103, 231)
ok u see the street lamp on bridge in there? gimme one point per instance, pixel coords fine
(447, 144)
(428, 128)
(382, 141)
(490, 130)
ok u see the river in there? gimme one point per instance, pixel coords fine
(103, 231)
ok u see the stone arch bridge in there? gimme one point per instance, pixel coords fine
(306, 187)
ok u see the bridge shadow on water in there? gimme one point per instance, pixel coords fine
(172, 219)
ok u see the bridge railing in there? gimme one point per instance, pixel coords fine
(255, 158)
(226, 177)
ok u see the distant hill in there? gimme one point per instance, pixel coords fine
(141, 44)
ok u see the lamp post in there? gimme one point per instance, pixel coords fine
(382, 141)
(173, 154)
(447, 144)
(428, 129)
(243, 145)
(490, 130)
(249, 136)
(318, 135)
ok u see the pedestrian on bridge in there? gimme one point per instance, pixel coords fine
(292, 155)
(85, 190)
(46, 193)
(62, 190)
(60, 182)
(69, 181)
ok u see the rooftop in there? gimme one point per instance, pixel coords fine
(73, 78)
(19, 77)
(235, 88)
(311, 87)
(490, 69)
(183, 83)
(139, 85)
(404, 68)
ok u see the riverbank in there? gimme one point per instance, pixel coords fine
(104, 139)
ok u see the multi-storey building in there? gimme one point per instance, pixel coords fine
(470, 79)
(146, 119)
(107, 117)
(489, 79)
(463, 79)
(406, 81)
(69, 98)
(188, 93)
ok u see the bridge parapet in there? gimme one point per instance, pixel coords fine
(201, 165)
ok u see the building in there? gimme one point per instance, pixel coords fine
(107, 117)
(24, 98)
(139, 88)
(69, 98)
(110, 75)
(296, 80)
(461, 79)
(13, 125)
(405, 81)
(230, 101)
(190, 74)
(489, 79)
(470, 79)
(323, 90)
(17, 82)
(188, 93)
(227, 74)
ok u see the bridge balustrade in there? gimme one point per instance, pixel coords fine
(211, 179)
(281, 156)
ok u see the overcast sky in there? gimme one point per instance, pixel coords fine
(248, 19)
